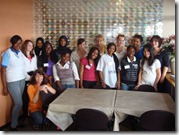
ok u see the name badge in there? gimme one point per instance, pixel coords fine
(126, 67)
(45, 64)
(87, 66)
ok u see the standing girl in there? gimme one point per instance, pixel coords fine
(38, 83)
(47, 60)
(13, 76)
(149, 68)
(65, 73)
(38, 46)
(79, 53)
(108, 68)
(88, 74)
(30, 61)
(163, 57)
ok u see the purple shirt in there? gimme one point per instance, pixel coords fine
(49, 68)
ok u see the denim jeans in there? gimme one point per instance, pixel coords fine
(16, 90)
(127, 87)
(37, 117)
(65, 86)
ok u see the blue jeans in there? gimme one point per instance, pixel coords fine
(65, 86)
(127, 87)
(16, 90)
(37, 117)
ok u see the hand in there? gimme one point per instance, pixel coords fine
(136, 87)
(43, 88)
(5, 92)
(103, 85)
(50, 78)
(162, 79)
(155, 87)
(118, 86)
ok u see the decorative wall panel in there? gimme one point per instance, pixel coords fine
(86, 18)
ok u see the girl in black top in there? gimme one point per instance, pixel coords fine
(163, 57)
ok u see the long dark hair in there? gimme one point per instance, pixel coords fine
(39, 71)
(37, 49)
(152, 57)
(90, 55)
(116, 61)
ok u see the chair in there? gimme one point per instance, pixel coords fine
(146, 88)
(47, 98)
(156, 120)
(91, 120)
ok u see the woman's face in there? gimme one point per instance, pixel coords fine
(63, 42)
(39, 43)
(65, 58)
(131, 52)
(154, 43)
(94, 54)
(146, 53)
(136, 42)
(82, 45)
(48, 49)
(99, 41)
(120, 41)
(17, 45)
(38, 78)
(30, 46)
(111, 50)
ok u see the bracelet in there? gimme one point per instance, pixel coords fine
(101, 81)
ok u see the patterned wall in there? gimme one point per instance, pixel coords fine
(86, 18)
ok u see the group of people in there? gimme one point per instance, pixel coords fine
(27, 69)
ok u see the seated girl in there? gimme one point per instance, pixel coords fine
(150, 72)
(38, 83)
(88, 74)
(65, 73)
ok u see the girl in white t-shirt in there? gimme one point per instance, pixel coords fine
(108, 68)
(150, 72)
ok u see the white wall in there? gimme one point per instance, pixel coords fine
(169, 18)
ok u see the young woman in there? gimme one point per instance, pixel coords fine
(99, 43)
(65, 73)
(79, 53)
(108, 68)
(47, 60)
(30, 61)
(62, 45)
(38, 46)
(13, 77)
(137, 42)
(88, 74)
(129, 69)
(150, 72)
(38, 83)
(120, 47)
(163, 57)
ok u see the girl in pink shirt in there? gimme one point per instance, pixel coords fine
(88, 75)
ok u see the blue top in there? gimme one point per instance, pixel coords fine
(139, 54)
(6, 57)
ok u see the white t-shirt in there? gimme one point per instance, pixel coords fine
(149, 73)
(106, 64)
(121, 54)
